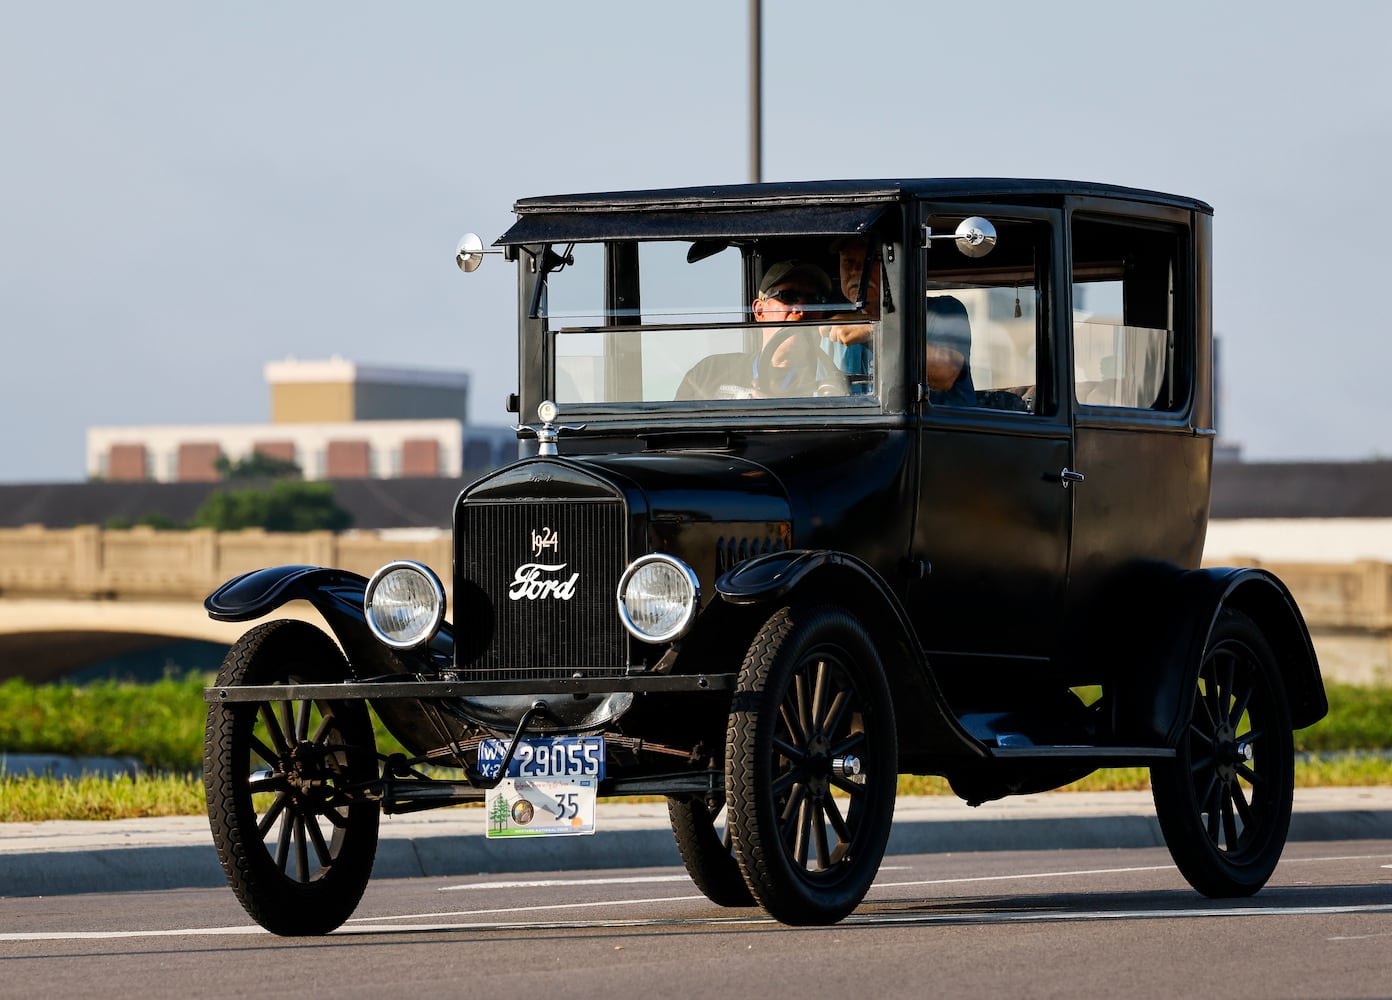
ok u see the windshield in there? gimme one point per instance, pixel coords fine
(698, 321)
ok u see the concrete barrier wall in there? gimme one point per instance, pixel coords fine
(141, 562)
(90, 562)
(49, 578)
(1352, 596)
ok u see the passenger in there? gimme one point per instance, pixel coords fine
(947, 365)
(785, 293)
(851, 343)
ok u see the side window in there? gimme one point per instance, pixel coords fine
(1126, 299)
(983, 319)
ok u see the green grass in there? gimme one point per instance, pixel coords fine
(1360, 718)
(161, 724)
(33, 799)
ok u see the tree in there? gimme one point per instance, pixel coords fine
(256, 466)
(289, 505)
(499, 813)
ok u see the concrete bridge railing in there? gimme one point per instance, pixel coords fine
(102, 583)
(90, 562)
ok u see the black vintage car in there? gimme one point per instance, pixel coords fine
(823, 483)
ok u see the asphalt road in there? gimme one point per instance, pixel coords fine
(1004, 923)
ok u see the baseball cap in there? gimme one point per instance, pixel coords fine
(795, 270)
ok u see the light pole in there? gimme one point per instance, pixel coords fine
(756, 124)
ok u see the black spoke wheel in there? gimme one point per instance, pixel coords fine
(811, 765)
(707, 849)
(284, 780)
(1224, 804)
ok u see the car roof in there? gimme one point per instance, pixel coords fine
(832, 192)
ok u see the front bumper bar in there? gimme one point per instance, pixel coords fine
(374, 690)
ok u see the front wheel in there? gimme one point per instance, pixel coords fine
(702, 832)
(285, 783)
(811, 765)
(1224, 803)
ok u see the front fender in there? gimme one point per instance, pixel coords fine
(842, 580)
(337, 595)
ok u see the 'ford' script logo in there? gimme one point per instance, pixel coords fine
(530, 583)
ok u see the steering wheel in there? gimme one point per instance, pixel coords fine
(799, 380)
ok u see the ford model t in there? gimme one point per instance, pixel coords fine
(823, 483)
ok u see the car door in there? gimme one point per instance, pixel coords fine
(1139, 328)
(994, 513)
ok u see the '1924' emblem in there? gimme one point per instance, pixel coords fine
(546, 538)
(530, 583)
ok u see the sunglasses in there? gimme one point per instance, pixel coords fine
(792, 297)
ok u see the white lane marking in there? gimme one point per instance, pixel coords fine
(1072, 916)
(526, 909)
(113, 935)
(1022, 877)
(868, 918)
(551, 883)
(1025, 876)
(1058, 916)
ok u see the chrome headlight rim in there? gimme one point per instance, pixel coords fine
(437, 616)
(693, 598)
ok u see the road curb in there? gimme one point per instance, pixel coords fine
(62, 859)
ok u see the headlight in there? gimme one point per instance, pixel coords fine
(405, 604)
(658, 597)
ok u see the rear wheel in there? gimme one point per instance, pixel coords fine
(1224, 803)
(284, 781)
(811, 759)
(704, 841)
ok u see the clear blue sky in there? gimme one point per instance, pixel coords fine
(191, 190)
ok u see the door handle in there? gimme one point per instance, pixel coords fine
(1068, 477)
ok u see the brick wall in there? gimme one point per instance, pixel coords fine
(349, 460)
(127, 462)
(282, 450)
(420, 457)
(197, 462)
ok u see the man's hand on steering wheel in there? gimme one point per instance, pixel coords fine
(798, 374)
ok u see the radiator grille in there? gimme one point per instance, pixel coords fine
(544, 574)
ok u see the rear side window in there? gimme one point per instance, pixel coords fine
(1128, 315)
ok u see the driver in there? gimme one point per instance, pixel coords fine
(788, 292)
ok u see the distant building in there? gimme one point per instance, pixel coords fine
(335, 419)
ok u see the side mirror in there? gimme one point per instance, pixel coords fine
(975, 236)
(469, 254)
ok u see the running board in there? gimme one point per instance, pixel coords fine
(1102, 756)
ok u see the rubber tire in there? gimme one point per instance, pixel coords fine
(793, 642)
(278, 898)
(709, 859)
(1191, 793)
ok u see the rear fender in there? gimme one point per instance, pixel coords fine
(1151, 707)
(843, 581)
(338, 596)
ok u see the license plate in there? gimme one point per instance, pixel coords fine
(549, 788)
